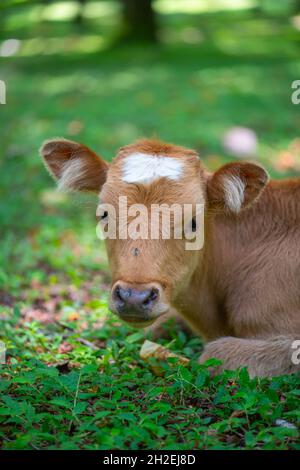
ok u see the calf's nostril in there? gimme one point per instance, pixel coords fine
(153, 295)
(121, 295)
(117, 294)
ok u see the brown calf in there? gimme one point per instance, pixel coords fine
(241, 291)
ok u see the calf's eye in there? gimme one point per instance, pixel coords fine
(104, 215)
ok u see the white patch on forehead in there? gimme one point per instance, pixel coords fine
(145, 168)
(234, 189)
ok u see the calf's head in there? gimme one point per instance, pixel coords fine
(150, 272)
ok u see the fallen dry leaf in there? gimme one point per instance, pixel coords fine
(150, 349)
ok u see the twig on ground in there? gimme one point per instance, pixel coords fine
(87, 343)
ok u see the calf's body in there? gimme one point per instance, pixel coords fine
(247, 283)
(241, 290)
(244, 297)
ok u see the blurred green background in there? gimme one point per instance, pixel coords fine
(108, 72)
(214, 75)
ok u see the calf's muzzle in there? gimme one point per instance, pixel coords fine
(136, 303)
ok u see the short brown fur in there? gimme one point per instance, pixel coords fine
(241, 292)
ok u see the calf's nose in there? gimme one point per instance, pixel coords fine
(132, 301)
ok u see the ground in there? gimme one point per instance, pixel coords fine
(73, 378)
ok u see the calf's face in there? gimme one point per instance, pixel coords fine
(151, 269)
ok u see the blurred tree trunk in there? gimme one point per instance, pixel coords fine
(79, 17)
(139, 21)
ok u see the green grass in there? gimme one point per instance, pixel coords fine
(74, 378)
(106, 397)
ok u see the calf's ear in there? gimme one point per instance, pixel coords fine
(74, 166)
(236, 186)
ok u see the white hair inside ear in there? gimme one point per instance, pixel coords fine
(234, 192)
(73, 171)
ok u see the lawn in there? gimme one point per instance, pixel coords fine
(74, 378)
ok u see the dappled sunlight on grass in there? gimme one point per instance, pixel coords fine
(72, 45)
(194, 6)
(60, 11)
